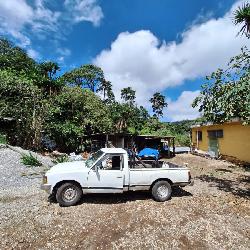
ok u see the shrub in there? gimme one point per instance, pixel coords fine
(61, 159)
(3, 139)
(30, 160)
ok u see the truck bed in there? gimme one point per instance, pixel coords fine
(152, 164)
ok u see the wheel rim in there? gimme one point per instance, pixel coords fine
(69, 194)
(162, 191)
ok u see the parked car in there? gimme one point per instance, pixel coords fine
(110, 170)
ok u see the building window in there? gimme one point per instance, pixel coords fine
(199, 135)
(215, 133)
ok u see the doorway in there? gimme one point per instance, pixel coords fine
(213, 147)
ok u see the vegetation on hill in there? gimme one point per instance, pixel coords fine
(40, 105)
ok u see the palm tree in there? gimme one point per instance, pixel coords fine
(128, 95)
(49, 69)
(105, 87)
(242, 16)
(51, 83)
(158, 104)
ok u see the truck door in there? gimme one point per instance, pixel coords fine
(107, 175)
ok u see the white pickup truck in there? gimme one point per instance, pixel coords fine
(111, 170)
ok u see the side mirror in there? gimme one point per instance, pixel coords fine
(103, 164)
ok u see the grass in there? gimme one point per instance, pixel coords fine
(30, 160)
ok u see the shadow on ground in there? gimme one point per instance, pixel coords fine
(231, 186)
(223, 170)
(128, 196)
(123, 198)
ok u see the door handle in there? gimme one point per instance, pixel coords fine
(119, 177)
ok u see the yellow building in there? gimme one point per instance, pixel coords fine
(228, 139)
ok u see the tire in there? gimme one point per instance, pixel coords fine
(68, 194)
(161, 191)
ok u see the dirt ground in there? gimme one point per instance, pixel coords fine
(212, 214)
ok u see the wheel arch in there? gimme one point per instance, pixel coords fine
(161, 179)
(58, 184)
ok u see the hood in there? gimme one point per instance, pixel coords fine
(68, 167)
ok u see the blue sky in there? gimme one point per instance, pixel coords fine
(150, 45)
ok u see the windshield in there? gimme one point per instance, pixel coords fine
(93, 158)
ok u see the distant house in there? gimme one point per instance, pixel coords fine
(230, 140)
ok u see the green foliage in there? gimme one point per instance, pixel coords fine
(76, 112)
(48, 82)
(39, 103)
(106, 88)
(89, 76)
(22, 101)
(226, 93)
(181, 130)
(158, 104)
(15, 58)
(49, 69)
(30, 160)
(3, 139)
(242, 16)
(127, 117)
(182, 140)
(61, 159)
(128, 95)
(65, 109)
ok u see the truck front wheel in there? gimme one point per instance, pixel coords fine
(68, 194)
(161, 191)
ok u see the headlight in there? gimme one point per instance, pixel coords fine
(45, 180)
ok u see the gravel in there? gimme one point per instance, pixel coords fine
(212, 214)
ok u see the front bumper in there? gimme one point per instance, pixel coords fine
(46, 187)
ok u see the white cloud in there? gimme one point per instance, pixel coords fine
(63, 51)
(13, 16)
(145, 63)
(23, 19)
(44, 19)
(60, 59)
(33, 54)
(85, 10)
(181, 108)
(18, 19)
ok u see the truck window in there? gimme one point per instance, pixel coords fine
(112, 162)
(93, 158)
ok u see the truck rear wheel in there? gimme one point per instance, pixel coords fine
(161, 191)
(68, 194)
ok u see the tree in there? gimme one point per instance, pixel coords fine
(158, 104)
(106, 88)
(76, 112)
(89, 76)
(48, 80)
(226, 93)
(22, 101)
(15, 58)
(49, 69)
(110, 97)
(128, 95)
(242, 16)
(127, 118)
